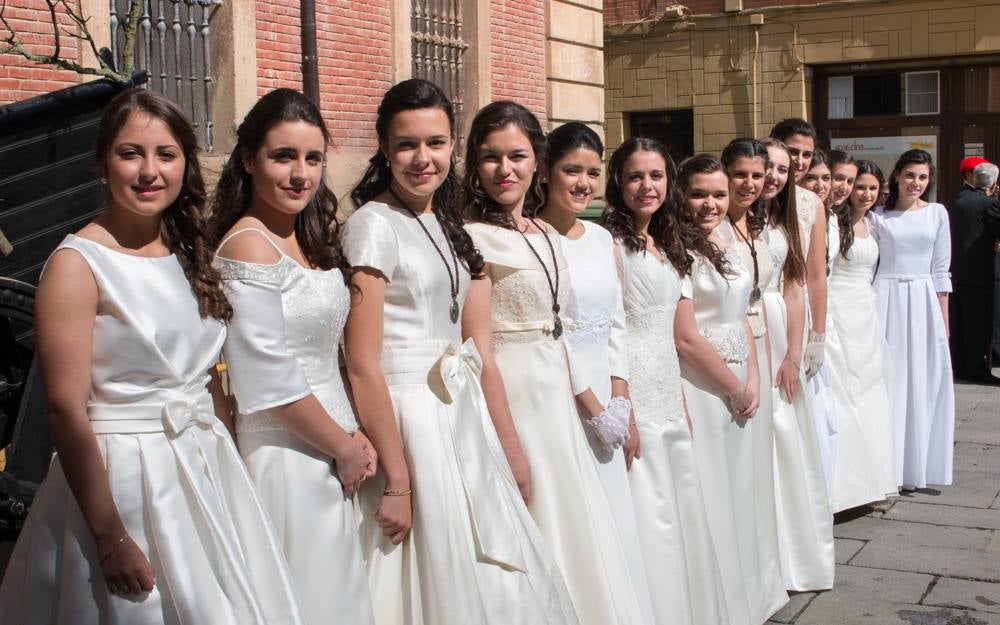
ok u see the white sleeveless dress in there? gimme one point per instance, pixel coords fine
(805, 524)
(473, 556)
(177, 480)
(600, 346)
(724, 446)
(567, 502)
(282, 346)
(666, 488)
(915, 247)
(865, 469)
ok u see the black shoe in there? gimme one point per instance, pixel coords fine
(988, 380)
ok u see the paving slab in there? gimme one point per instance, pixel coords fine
(845, 548)
(863, 527)
(977, 457)
(973, 489)
(944, 515)
(973, 428)
(956, 593)
(796, 604)
(898, 555)
(831, 612)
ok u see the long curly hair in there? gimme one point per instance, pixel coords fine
(410, 95)
(783, 213)
(745, 147)
(702, 245)
(316, 226)
(845, 212)
(910, 157)
(184, 226)
(479, 206)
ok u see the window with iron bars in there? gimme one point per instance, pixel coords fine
(438, 49)
(173, 43)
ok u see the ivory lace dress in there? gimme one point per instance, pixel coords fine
(666, 488)
(282, 346)
(805, 525)
(570, 508)
(600, 344)
(724, 446)
(915, 247)
(177, 480)
(473, 556)
(865, 469)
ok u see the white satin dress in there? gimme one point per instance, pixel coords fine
(805, 523)
(915, 248)
(666, 489)
(473, 556)
(600, 345)
(282, 346)
(724, 446)
(865, 469)
(570, 508)
(177, 480)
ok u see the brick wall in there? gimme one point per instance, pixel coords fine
(279, 57)
(19, 78)
(517, 53)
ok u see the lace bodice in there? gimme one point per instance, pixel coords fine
(808, 206)
(521, 299)
(720, 304)
(285, 339)
(765, 271)
(777, 247)
(651, 291)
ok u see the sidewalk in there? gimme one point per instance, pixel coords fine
(931, 558)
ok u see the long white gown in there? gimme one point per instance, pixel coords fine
(600, 344)
(282, 346)
(771, 591)
(805, 524)
(915, 249)
(473, 556)
(723, 446)
(572, 513)
(177, 480)
(808, 206)
(865, 469)
(666, 488)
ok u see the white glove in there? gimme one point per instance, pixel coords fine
(813, 356)
(611, 426)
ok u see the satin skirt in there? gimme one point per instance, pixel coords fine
(315, 524)
(724, 452)
(571, 510)
(673, 528)
(188, 503)
(805, 522)
(820, 389)
(473, 555)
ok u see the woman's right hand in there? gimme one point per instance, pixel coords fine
(126, 570)
(521, 469)
(394, 516)
(353, 464)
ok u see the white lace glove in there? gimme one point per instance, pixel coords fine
(611, 426)
(813, 356)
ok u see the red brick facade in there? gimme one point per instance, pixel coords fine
(19, 78)
(517, 51)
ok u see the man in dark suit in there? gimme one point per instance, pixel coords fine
(975, 228)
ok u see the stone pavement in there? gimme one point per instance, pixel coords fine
(931, 557)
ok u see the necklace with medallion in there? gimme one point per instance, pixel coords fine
(755, 294)
(557, 328)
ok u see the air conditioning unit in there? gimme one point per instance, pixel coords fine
(922, 93)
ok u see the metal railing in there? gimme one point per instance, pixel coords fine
(173, 43)
(438, 47)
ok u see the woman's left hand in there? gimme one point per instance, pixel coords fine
(787, 378)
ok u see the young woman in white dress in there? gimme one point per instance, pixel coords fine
(657, 242)
(911, 293)
(446, 536)
(515, 314)
(720, 379)
(275, 229)
(819, 177)
(147, 515)
(805, 525)
(745, 161)
(865, 468)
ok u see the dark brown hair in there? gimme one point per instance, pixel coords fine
(411, 95)
(783, 213)
(689, 167)
(745, 147)
(910, 157)
(479, 206)
(316, 225)
(184, 226)
(845, 212)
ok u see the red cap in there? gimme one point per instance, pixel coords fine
(970, 162)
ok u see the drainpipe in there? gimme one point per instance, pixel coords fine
(310, 58)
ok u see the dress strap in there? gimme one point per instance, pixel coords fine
(258, 231)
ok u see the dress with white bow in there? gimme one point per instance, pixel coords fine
(177, 480)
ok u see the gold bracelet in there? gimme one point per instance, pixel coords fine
(113, 549)
(396, 493)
